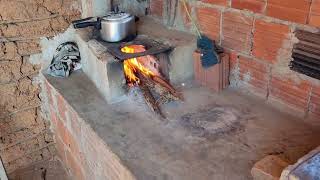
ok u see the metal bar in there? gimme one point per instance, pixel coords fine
(123, 56)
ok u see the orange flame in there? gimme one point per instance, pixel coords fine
(131, 66)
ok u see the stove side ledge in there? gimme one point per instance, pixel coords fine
(85, 154)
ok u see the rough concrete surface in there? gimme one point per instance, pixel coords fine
(209, 136)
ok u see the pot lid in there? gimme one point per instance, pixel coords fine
(116, 16)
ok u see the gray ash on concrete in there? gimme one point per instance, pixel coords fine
(213, 121)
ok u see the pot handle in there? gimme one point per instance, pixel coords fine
(90, 21)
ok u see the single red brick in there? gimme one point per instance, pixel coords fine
(53, 116)
(315, 6)
(213, 78)
(217, 2)
(293, 10)
(268, 40)
(49, 92)
(63, 133)
(216, 77)
(221, 74)
(197, 65)
(249, 63)
(156, 7)
(75, 123)
(61, 107)
(315, 101)
(209, 21)
(315, 13)
(71, 145)
(314, 20)
(75, 166)
(198, 70)
(236, 30)
(74, 147)
(290, 93)
(61, 150)
(225, 61)
(233, 56)
(302, 5)
(258, 73)
(256, 6)
(271, 27)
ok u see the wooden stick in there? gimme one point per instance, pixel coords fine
(168, 86)
(190, 17)
(150, 100)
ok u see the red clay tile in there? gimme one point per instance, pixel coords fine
(315, 102)
(258, 73)
(268, 40)
(156, 7)
(209, 21)
(256, 6)
(236, 30)
(216, 2)
(216, 77)
(293, 10)
(291, 93)
(315, 13)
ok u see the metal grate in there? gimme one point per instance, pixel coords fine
(153, 47)
(306, 54)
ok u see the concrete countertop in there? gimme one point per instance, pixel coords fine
(209, 136)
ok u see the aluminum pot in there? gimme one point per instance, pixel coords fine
(113, 27)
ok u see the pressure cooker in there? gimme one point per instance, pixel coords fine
(114, 27)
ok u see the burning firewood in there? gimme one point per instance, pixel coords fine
(148, 78)
(150, 100)
(168, 86)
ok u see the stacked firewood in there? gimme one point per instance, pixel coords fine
(145, 73)
(157, 91)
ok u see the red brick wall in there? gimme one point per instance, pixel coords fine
(314, 18)
(78, 146)
(156, 7)
(259, 35)
(24, 134)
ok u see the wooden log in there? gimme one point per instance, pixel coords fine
(150, 100)
(168, 86)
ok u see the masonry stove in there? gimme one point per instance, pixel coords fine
(145, 64)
